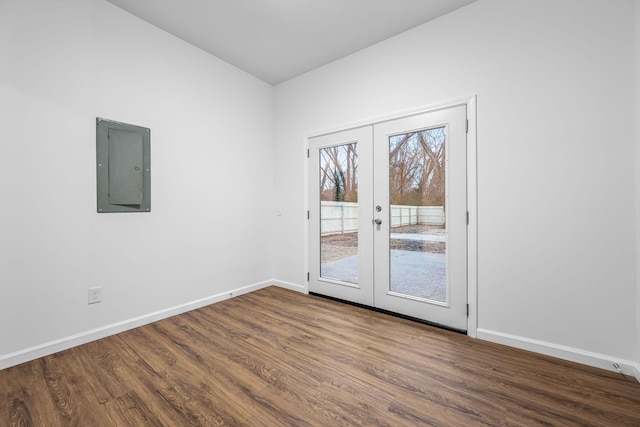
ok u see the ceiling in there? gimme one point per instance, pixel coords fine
(276, 40)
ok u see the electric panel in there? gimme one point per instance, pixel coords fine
(123, 167)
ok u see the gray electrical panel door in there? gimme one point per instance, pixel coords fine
(123, 166)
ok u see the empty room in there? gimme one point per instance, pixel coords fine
(319, 213)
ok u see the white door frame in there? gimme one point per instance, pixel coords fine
(472, 194)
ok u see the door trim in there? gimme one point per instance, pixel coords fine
(472, 190)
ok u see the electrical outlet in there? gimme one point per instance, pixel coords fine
(95, 294)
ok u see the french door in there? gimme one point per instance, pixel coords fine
(388, 216)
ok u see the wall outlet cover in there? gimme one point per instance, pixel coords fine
(95, 294)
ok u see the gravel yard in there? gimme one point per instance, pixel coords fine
(339, 246)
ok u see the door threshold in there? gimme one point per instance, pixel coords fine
(391, 313)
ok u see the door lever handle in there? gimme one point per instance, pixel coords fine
(377, 221)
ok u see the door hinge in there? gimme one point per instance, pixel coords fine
(467, 310)
(308, 276)
(308, 215)
(467, 126)
(307, 153)
(467, 217)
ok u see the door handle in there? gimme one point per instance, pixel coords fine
(378, 221)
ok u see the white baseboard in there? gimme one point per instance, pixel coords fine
(31, 353)
(291, 286)
(562, 352)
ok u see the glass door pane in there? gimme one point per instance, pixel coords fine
(340, 225)
(339, 213)
(417, 232)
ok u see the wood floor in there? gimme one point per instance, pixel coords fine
(280, 358)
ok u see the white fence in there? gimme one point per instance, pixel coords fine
(338, 217)
(342, 217)
(409, 215)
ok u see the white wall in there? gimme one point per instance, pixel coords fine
(637, 110)
(555, 132)
(552, 80)
(64, 63)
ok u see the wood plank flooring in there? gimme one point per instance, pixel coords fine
(279, 358)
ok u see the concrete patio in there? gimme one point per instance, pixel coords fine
(421, 274)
